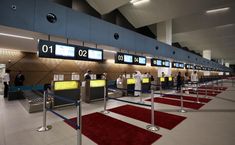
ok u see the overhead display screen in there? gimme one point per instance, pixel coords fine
(197, 67)
(61, 50)
(128, 58)
(177, 65)
(50, 49)
(160, 62)
(124, 58)
(95, 54)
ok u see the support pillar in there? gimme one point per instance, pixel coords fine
(206, 54)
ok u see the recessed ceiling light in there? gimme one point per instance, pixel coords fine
(138, 2)
(16, 36)
(225, 26)
(217, 10)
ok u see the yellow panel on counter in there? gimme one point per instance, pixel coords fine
(170, 79)
(97, 83)
(130, 81)
(66, 85)
(145, 80)
(162, 79)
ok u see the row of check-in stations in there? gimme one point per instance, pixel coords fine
(95, 89)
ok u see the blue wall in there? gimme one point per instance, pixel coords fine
(31, 15)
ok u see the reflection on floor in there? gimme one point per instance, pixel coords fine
(210, 125)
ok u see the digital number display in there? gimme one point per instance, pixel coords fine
(189, 66)
(50, 49)
(124, 58)
(160, 62)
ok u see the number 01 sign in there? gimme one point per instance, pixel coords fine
(50, 49)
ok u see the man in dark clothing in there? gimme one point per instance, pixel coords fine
(19, 79)
(179, 81)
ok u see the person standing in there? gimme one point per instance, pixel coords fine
(179, 82)
(87, 75)
(19, 79)
(138, 78)
(194, 77)
(6, 81)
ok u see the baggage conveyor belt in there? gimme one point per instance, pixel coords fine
(33, 101)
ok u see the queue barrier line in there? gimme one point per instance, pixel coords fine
(78, 124)
(64, 99)
(61, 116)
(128, 102)
(130, 90)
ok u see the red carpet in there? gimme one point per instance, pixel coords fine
(105, 130)
(177, 103)
(165, 120)
(188, 98)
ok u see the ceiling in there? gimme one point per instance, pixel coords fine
(192, 27)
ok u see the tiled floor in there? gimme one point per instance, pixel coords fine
(211, 125)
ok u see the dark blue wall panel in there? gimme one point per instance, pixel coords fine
(78, 26)
(21, 17)
(41, 23)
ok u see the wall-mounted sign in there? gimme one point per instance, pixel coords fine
(50, 49)
(160, 62)
(177, 65)
(130, 59)
(198, 67)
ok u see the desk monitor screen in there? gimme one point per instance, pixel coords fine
(128, 58)
(97, 83)
(130, 81)
(62, 50)
(142, 60)
(95, 54)
(66, 85)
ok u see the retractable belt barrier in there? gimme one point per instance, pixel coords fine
(78, 124)
(152, 126)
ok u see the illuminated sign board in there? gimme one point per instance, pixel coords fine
(197, 67)
(160, 62)
(145, 80)
(50, 49)
(162, 79)
(124, 58)
(170, 79)
(130, 81)
(177, 65)
(97, 83)
(66, 85)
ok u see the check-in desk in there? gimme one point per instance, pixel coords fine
(146, 84)
(170, 82)
(162, 82)
(94, 90)
(66, 89)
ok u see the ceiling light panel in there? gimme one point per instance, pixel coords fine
(16, 36)
(217, 10)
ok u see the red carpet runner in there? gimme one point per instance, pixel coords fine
(177, 103)
(165, 120)
(105, 130)
(188, 98)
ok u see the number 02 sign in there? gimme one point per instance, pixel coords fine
(49, 49)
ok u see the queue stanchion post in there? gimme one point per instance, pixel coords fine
(105, 111)
(44, 126)
(181, 102)
(197, 85)
(206, 90)
(160, 88)
(79, 122)
(152, 127)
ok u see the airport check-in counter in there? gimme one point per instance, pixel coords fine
(66, 89)
(170, 82)
(93, 90)
(129, 84)
(162, 81)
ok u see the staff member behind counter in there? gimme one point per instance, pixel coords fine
(138, 78)
(87, 75)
